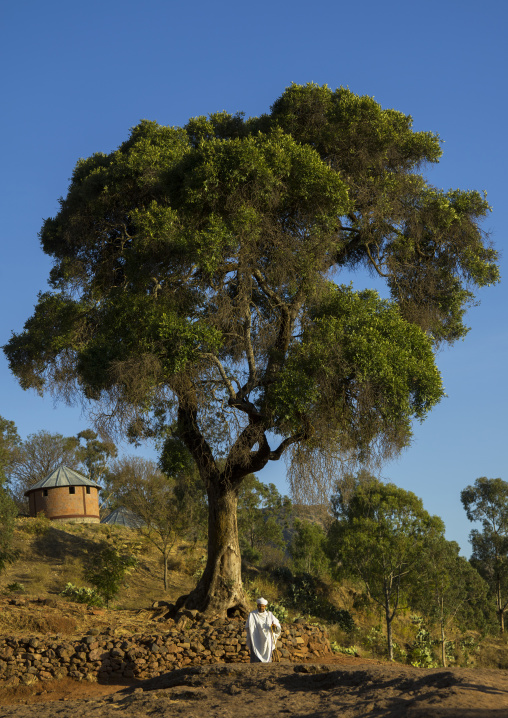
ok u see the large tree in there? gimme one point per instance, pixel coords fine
(197, 285)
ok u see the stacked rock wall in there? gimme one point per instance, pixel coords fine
(109, 658)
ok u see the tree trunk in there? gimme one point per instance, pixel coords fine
(165, 562)
(220, 590)
(500, 610)
(443, 641)
(389, 633)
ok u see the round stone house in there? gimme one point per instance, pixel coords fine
(65, 495)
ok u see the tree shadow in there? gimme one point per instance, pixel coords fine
(55, 543)
(418, 697)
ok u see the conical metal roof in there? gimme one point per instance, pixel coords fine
(63, 476)
(123, 517)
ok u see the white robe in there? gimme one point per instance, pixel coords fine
(259, 635)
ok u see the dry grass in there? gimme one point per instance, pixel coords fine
(52, 555)
(28, 622)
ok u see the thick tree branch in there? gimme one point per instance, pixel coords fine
(192, 437)
(275, 454)
(246, 406)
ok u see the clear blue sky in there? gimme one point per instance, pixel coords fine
(77, 76)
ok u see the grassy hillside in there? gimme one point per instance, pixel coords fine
(53, 554)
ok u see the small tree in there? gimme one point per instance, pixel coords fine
(142, 488)
(9, 447)
(41, 453)
(448, 588)
(8, 512)
(308, 548)
(106, 568)
(487, 502)
(94, 455)
(262, 514)
(380, 536)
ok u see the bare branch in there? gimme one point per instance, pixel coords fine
(273, 296)
(222, 371)
(249, 349)
(374, 264)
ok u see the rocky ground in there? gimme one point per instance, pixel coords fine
(348, 690)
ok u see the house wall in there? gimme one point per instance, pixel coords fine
(61, 505)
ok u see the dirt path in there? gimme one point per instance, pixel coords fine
(349, 689)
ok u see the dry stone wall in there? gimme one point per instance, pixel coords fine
(108, 658)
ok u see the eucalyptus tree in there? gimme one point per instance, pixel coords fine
(448, 589)
(381, 535)
(262, 515)
(9, 447)
(308, 548)
(487, 502)
(95, 455)
(200, 285)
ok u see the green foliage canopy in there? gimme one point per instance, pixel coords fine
(193, 275)
(486, 501)
(200, 282)
(9, 447)
(262, 515)
(381, 536)
(308, 548)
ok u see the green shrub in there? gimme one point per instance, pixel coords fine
(39, 525)
(302, 593)
(80, 594)
(106, 568)
(279, 611)
(347, 650)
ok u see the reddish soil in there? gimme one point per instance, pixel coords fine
(345, 686)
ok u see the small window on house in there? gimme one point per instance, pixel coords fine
(87, 489)
(44, 492)
(72, 489)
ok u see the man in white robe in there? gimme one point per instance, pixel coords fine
(263, 629)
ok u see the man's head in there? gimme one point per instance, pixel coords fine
(262, 603)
